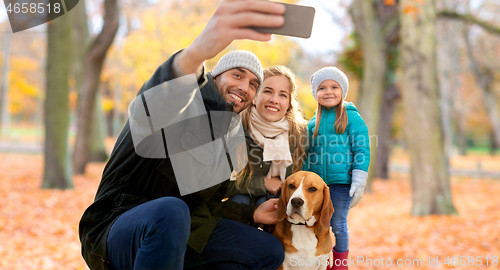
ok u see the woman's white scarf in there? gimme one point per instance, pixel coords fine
(272, 137)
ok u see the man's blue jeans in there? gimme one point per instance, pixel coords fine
(246, 199)
(153, 235)
(339, 193)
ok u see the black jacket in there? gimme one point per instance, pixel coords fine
(129, 180)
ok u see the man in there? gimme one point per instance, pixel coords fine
(139, 220)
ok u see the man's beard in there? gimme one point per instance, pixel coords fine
(244, 103)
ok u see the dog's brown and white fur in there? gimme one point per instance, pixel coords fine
(304, 213)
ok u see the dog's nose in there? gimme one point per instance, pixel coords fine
(297, 202)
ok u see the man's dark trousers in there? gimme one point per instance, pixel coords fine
(153, 235)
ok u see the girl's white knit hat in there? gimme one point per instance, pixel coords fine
(329, 73)
(242, 59)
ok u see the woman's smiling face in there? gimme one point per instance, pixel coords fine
(273, 100)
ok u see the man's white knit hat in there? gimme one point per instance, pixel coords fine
(329, 73)
(240, 58)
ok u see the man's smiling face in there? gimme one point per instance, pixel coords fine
(239, 85)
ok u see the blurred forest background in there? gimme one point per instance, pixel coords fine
(424, 74)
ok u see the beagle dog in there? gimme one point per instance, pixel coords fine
(304, 213)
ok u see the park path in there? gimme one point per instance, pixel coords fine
(21, 147)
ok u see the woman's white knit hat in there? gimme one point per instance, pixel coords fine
(239, 58)
(329, 73)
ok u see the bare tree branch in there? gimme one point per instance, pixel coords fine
(468, 18)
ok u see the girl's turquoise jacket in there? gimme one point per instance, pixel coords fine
(331, 155)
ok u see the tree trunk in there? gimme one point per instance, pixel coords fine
(446, 78)
(110, 116)
(5, 87)
(57, 169)
(391, 96)
(82, 40)
(98, 134)
(448, 71)
(92, 72)
(431, 192)
(388, 17)
(374, 67)
(461, 133)
(493, 145)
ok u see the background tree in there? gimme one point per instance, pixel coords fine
(448, 53)
(57, 169)
(81, 37)
(388, 17)
(92, 71)
(431, 192)
(483, 68)
(372, 84)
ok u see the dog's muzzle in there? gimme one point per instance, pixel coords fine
(297, 202)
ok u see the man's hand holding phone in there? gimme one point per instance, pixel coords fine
(231, 21)
(298, 22)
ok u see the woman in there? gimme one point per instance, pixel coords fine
(276, 137)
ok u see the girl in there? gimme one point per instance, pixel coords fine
(274, 125)
(339, 152)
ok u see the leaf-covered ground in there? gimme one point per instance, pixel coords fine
(39, 228)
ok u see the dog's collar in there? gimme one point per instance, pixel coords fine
(300, 223)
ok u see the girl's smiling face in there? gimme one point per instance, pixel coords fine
(273, 100)
(329, 94)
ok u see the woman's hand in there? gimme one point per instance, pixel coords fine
(267, 212)
(273, 184)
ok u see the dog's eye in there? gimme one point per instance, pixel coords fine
(291, 186)
(312, 189)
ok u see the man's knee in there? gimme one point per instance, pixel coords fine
(276, 253)
(170, 213)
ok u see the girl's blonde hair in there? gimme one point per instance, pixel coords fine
(295, 116)
(341, 119)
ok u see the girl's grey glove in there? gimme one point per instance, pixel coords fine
(358, 186)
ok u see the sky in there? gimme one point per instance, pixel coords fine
(326, 33)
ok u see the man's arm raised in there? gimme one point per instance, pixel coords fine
(230, 22)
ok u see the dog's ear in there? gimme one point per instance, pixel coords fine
(283, 200)
(327, 208)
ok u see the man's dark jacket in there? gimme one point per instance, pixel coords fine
(129, 180)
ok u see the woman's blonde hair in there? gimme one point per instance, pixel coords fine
(341, 119)
(295, 116)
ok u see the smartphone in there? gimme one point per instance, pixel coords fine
(298, 22)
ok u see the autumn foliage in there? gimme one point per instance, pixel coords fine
(39, 228)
